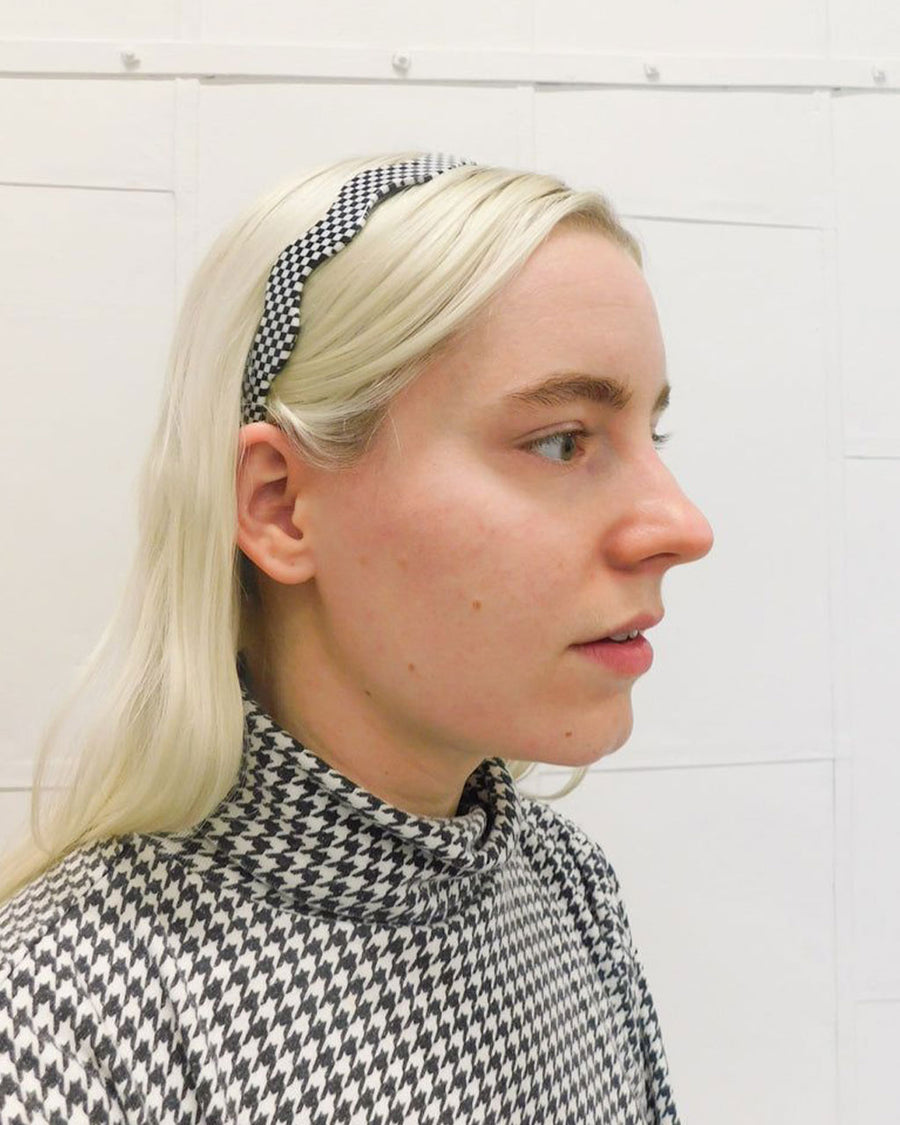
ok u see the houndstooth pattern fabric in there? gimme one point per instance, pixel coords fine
(312, 955)
(279, 327)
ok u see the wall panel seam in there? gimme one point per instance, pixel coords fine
(136, 60)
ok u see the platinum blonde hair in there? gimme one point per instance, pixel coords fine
(162, 716)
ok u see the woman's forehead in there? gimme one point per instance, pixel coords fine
(596, 317)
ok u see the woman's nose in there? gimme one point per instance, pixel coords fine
(691, 532)
(688, 531)
(668, 524)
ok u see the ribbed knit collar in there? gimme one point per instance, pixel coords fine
(297, 829)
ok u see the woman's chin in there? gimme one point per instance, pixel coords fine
(589, 748)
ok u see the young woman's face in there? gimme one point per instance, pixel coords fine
(458, 564)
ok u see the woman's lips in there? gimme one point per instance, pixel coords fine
(627, 658)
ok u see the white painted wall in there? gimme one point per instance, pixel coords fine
(753, 148)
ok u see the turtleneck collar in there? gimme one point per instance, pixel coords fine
(297, 829)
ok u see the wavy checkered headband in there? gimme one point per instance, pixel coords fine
(280, 325)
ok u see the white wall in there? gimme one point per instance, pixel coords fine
(753, 147)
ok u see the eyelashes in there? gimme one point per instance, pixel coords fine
(574, 434)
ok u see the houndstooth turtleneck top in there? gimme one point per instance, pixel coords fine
(310, 954)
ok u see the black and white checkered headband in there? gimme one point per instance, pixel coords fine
(280, 325)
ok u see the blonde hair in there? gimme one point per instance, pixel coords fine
(164, 718)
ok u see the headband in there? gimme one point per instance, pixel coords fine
(280, 324)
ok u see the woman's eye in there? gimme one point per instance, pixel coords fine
(566, 438)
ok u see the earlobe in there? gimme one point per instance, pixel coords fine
(270, 507)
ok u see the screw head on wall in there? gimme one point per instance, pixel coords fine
(401, 61)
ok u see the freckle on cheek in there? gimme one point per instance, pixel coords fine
(476, 604)
(411, 667)
(568, 734)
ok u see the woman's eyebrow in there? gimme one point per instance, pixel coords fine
(570, 386)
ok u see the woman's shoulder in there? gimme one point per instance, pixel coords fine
(567, 857)
(552, 835)
(59, 909)
(59, 1023)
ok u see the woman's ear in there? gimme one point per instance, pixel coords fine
(273, 504)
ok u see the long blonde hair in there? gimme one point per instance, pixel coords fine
(159, 695)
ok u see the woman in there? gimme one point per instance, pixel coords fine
(404, 483)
